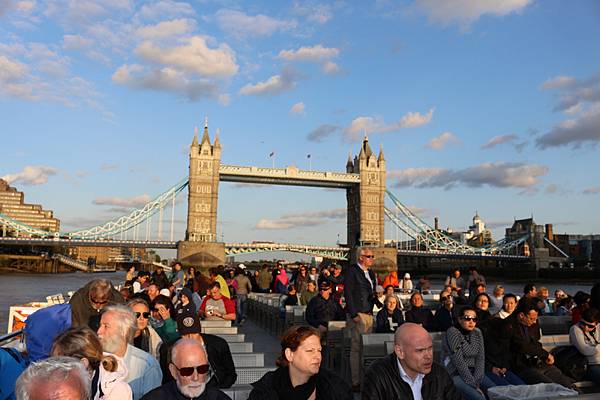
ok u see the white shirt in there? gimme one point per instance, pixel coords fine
(366, 272)
(415, 385)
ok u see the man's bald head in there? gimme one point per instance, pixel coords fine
(414, 349)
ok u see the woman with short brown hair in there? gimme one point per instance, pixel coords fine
(300, 376)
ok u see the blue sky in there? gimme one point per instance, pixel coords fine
(491, 106)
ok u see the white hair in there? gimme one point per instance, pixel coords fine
(55, 370)
(127, 322)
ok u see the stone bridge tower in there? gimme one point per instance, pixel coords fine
(200, 247)
(365, 201)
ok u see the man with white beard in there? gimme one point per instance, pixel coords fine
(189, 365)
(117, 328)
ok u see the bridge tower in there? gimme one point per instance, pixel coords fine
(366, 203)
(200, 247)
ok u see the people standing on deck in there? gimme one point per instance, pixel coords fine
(496, 299)
(107, 371)
(391, 279)
(178, 276)
(145, 337)
(244, 287)
(159, 278)
(191, 369)
(509, 303)
(140, 280)
(281, 281)
(406, 286)
(456, 282)
(117, 327)
(301, 279)
(215, 276)
(87, 302)
(299, 374)
(290, 298)
(189, 277)
(409, 372)
(264, 279)
(217, 350)
(390, 317)
(419, 314)
(474, 279)
(359, 289)
(337, 280)
(309, 292)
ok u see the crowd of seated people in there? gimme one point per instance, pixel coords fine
(152, 346)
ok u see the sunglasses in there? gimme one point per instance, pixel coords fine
(99, 302)
(189, 371)
(467, 318)
(588, 324)
(145, 315)
(369, 256)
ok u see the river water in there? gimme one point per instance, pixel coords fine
(24, 288)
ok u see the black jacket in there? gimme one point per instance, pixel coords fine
(358, 292)
(169, 391)
(524, 343)
(162, 281)
(382, 322)
(421, 316)
(329, 387)
(383, 382)
(497, 344)
(320, 311)
(444, 319)
(219, 358)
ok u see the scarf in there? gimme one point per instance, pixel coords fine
(283, 386)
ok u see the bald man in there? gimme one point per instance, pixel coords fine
(191, 370)
(409, 372)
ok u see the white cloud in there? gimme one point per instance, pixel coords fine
(465, 12)
(592, 190)
(165, 29)
(76, 42)
(194, 57)
(499, 174)
(372, 125)
(297, 108)
(241, 25)
(573, 132)
(498, 140)
(302, 220)
(11, 70)
(557, 82)
(31, 175)
(316, 53)
(167, 80)
(164, 9)
(438, 142)
(313, 12)
(274, 85)
(131, 202)
(330, 68)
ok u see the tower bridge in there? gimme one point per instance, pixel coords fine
(364, 181)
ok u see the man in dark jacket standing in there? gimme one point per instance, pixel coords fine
(189, 365)
(359, 291)
(87, 303)
(409, 372)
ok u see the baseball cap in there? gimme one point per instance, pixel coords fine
(188, 323)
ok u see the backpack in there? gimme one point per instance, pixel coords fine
(570, 361)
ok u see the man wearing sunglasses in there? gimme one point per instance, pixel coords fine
(191, 370)
(359, 291)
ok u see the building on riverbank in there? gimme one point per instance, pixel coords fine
(12, 204)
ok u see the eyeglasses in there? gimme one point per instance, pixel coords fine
(368, 256)
(189, 371)
(145, 315)
(467, 318)
(589, 325)
(97, 302)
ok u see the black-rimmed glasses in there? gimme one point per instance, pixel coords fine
(189, 371)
